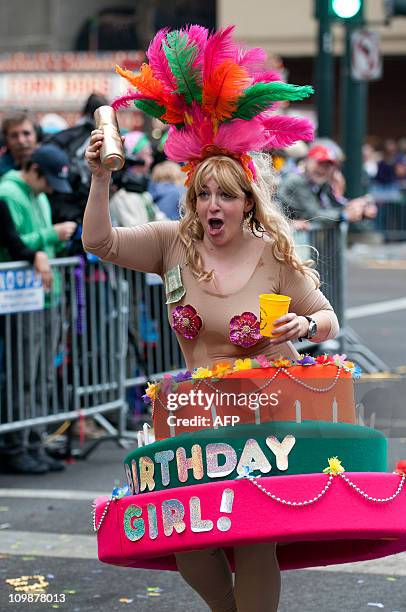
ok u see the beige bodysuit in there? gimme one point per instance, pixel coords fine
(156, 247)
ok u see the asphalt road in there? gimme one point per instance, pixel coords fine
(45, 530)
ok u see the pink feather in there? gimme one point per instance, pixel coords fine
(158, 62)
(198, 34)
(242, 136)
(184, 144)
(202, 124)
(252, 59)
(284, 130)
(266, 77)
(219, 47)
(124, 101)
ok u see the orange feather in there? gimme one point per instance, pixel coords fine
(146, 83)
(127, 74)
(155, 89)
(222, 89)
(173, 115)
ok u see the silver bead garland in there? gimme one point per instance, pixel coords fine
(286, 502)
(268, 382)
(380, 500)
(310, 387)
(325, 489)
(106, 507)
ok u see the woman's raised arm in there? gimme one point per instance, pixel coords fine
(140, 248)
(97, 235)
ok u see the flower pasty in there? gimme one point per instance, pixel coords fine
(186, 321)
(244, 330)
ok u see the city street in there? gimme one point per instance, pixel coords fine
(45, 521)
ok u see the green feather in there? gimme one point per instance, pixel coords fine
(181, 53)
(260, 96)
(150, 107)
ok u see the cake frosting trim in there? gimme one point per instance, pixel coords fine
(170, 383)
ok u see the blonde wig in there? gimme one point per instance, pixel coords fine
(265, 218)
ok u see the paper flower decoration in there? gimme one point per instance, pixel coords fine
(324, 359)
(242, 364)
(263, 361)
(334, 466)
(182, 376)
(202, 373)
(120, 492)
(220, 369)
(339, 360)
(152, 390)
(282, 363)
(401, 467)
(306, 360)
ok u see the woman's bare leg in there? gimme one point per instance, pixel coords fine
(257, 578)
(208, 573)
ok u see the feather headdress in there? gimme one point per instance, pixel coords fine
(217, 96)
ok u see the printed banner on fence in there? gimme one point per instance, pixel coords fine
(20, 291)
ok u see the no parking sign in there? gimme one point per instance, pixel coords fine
(366, 60)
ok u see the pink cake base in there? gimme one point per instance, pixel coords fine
(342, 526)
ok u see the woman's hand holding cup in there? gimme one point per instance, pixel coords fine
(289, 327)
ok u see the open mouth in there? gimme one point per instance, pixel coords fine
(215, 225)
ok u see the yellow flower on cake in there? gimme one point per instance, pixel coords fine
(221, 368)
(152, 390)
(334, 466)
(202, 373)
(349, 365)
(242, 364)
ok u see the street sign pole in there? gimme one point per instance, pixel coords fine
(353, 116)
(324, 71)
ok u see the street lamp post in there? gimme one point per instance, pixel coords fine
(354, 112)
(353, 92)
(324, 71)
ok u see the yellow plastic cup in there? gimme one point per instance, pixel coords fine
(271, 307)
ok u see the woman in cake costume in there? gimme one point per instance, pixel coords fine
(232, 244)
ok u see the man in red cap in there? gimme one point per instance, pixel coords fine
(317, 193)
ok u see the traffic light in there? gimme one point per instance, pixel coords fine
(394, 8)
(345, 9)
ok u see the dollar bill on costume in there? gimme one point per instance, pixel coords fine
(173, 285)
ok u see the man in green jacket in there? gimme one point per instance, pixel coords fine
(24, 192)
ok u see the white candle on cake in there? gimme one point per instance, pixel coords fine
(146, 435)
(139, 438)
(335, 411)
(298, 411)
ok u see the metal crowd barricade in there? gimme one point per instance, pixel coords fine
(391, 220)
(69, 358)
(153, 347)
(330, 240)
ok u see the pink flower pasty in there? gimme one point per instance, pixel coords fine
(244, 329)
(186, 321)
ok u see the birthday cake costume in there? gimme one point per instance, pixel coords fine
(294, 471)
